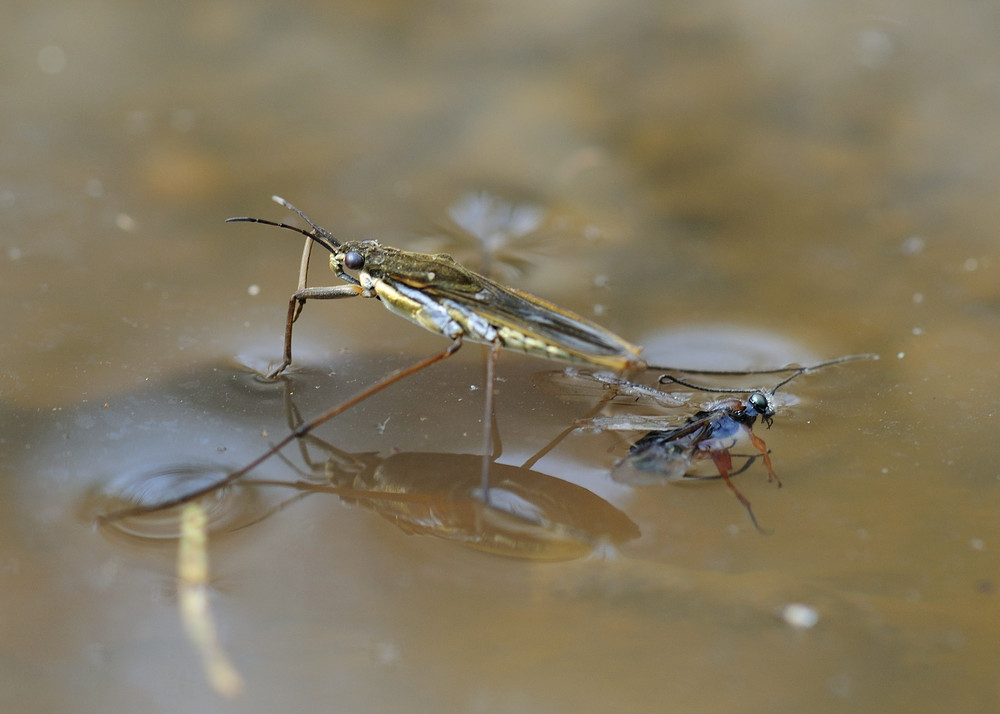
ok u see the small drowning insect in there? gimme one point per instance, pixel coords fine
(671, 454)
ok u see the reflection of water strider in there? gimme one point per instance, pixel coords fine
(530, 514)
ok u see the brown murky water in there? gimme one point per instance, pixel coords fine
(727, 184)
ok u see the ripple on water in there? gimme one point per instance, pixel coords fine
(227, 508)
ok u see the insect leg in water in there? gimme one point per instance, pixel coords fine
(671, 447)
(712, 433)
(669, 454)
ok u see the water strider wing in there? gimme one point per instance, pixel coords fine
(532, 325)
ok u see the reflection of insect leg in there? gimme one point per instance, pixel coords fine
(491, 437)
(294, 419)
(724, 463)
(612, 386)
(296, 434)
(534, 459)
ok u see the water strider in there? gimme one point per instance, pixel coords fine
(440, 295)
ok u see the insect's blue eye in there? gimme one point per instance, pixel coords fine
(354, 260)
(759, 402)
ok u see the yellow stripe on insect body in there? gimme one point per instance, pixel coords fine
(531, 345)
(416, 307)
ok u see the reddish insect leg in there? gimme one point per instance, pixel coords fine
(762, 448)
(724, 463)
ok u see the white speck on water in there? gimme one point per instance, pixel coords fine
(914, 245)
(799, 615)
(52, 59)
(387, 653)
(125, 222)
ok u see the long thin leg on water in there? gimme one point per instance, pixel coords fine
(720, 372)
(292, 436)
(295, 305)
(294, 419)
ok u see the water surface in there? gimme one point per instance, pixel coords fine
(731, 185)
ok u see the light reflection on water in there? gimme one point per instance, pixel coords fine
(712, 179)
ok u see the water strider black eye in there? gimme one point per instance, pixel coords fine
(759, 402)
(354, 260)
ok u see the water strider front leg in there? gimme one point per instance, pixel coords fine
(295, 305)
